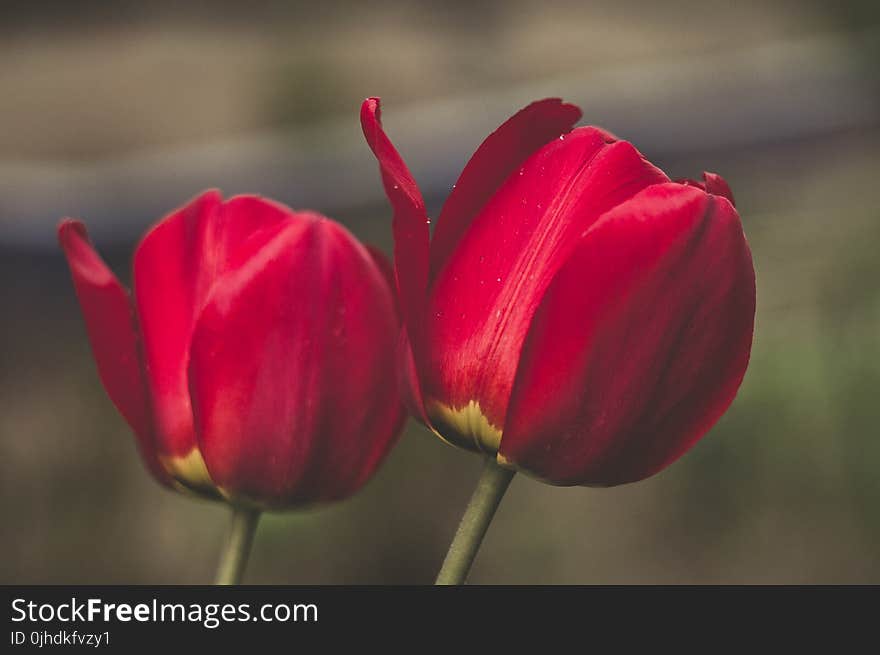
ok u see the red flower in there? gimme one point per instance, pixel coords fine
(251, 362)
(576, 314)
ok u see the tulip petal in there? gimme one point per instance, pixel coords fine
(289, 368)
(500, 154)
(408, 379)
(410, 224)
(387, 269)
(111, 326)
(712, 183)
(717, 186)
(408, 382)
(639, 345)
(481, 304)
(175, 267)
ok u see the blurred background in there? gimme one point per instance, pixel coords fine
(118, 112)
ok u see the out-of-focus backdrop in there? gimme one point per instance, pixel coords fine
(118, 112)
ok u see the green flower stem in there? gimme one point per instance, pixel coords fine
(487, 496)
(238, 546)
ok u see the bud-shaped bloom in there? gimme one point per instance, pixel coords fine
(251, 360)
(576, 314)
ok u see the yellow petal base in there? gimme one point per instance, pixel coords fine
(189, 473)
(466, 427)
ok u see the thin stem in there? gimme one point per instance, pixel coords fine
(235, 553)
(493, 482)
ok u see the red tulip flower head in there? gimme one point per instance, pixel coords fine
(576, 314)
(251, 361)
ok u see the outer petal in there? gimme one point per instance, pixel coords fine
(482, 302)
(110, 323)
(503, 152)
(175, 267)
(289, 368)
(410, 225)
(639, 345)
(712, 183)
(408, 381)
(717, 186)
(407, 376)
(387, 269)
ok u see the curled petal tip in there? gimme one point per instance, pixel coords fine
(371, 113)
(571, 109)
(69, 228)
(84, 262)
(410, 222)
(67, 223)
(718, 186)
(712, 184)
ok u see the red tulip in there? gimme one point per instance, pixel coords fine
(576, 315)
(251, 362)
